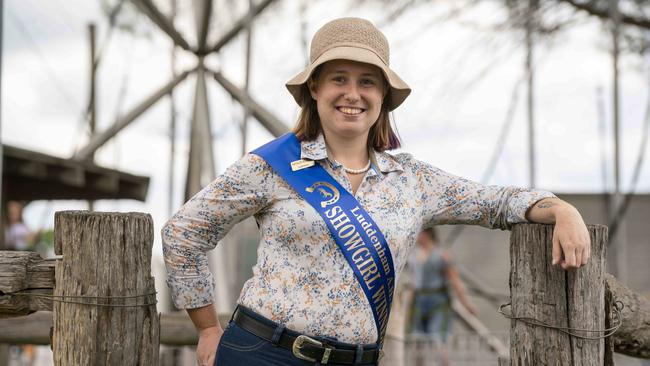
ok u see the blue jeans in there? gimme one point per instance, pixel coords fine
(432, 315)
(238, 347)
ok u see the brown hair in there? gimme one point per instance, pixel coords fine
(431, 232)
(381, 136)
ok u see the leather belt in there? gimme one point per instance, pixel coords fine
(302, 346)
(431, 291)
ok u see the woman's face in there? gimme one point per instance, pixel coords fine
(425, 241)
(348, 96)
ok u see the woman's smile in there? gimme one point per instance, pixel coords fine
(350, 111)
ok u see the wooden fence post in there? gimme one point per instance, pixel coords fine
(574, 298)
(106, 260)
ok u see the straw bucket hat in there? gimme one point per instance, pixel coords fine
(352, 39)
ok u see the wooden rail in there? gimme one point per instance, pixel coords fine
(176, 329)
(23, 274)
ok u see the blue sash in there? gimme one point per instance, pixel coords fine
(357, 235)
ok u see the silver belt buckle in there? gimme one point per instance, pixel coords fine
(302, 339)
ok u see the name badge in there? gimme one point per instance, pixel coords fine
(301, 164)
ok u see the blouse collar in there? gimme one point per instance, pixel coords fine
(317, 150)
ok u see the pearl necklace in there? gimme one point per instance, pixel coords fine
(355, 171)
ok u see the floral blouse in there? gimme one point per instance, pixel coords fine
(301, 278)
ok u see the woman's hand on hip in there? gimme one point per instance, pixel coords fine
(206, 350)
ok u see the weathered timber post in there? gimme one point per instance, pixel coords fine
(549, 294)
(107, 261)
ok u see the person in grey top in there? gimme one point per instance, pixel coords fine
(433, 275)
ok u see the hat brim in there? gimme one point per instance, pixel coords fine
(399, 89)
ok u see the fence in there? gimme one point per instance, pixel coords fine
(104, 311)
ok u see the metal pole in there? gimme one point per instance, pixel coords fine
(172, 123)
(602, 124)
(615, 91)
(173, 353)
(303, 30)
(200, 167)
(100, 139)
(92, 32)
(92, 107)
(2, 196)
(264, 116)
(151, 11)
(239, 25)
(530, 16)
(202, 14)
(619, 239)
(247, 108)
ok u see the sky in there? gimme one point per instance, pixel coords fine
(452, 118)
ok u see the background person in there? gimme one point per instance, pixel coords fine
(17, 235)
(433, 277)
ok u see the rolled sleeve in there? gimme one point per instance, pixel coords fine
(204, 220)
(521, 201)
(449, 199)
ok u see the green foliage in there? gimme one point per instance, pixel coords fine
(47, 238)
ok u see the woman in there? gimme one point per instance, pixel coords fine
(318, 295)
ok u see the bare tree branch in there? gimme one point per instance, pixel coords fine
(603, 13)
